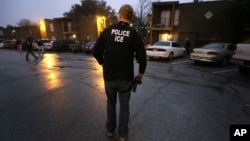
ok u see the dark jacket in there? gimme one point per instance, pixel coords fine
(28, 43)
(116, 49)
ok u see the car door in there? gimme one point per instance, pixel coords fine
(177, 49)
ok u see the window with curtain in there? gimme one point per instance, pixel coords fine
(165, 18)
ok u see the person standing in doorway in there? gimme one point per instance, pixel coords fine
(187, 46)
(28, 43)
(115, 50)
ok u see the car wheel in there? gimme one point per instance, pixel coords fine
(151, 58)
(183, 54)
(170, 57)
(225, 61)
(197, 62)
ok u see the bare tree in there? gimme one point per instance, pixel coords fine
(24, 22)
(142, 10)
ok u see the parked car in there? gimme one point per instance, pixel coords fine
(88, 47)
(35, 45)
(64, 44)
(214, 52)
(165, 49)
(11, 44)
(242, 54)
(47, 44)
(1, 43)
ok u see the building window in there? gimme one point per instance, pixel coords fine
(165, 18)
(70, 26)
(164, 37)
(176, 17)
(53, 37)
(1, 32)
(51, 27)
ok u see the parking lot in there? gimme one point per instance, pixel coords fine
(61, 96)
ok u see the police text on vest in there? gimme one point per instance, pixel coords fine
(120, 34)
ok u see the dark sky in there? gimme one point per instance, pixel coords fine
(12, 11)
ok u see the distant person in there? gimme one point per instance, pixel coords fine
(40, 47)
(28, 43)
(19, 45)
(187, 46)
(115, 50)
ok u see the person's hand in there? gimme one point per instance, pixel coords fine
(140, 76)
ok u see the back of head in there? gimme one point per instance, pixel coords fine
(126, 11)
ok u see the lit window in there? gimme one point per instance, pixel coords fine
(70, 26)
(51, 26)
(176, 17)
(165, 18)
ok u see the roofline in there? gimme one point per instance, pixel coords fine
(164, 3)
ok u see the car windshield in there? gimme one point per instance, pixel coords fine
(162, 44)
(213, 46)
(90, 43)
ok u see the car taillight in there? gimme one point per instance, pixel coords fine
(161, 49)
(212, 53)
(150, 49)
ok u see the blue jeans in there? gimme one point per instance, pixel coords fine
(120, 88)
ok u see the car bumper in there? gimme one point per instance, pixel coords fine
(204, 58)
(75, 48)
(47, 47)
(157, 54)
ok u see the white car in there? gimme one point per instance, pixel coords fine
(165, 49)
(214, 52)
(47, 44)
(1, 43)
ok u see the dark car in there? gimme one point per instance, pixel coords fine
(11, 44)
(88, 47)
(64, 44)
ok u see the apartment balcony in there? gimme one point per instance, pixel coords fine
(160, 27)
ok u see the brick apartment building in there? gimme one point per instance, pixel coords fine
(83, 28)
(200, 22)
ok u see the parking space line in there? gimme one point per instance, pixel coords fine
(225, 71)
(182, 62)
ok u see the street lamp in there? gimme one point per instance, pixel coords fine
(13, 33)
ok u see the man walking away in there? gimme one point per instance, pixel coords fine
(115, 50)
(28, 43)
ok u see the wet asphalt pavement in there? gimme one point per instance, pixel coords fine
(61, 97)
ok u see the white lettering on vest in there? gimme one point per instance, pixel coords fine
(120, 34)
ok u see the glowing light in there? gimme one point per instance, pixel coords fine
(42, 26)
(42, 29)
(52, 75)
(101, 24)
(165, 37)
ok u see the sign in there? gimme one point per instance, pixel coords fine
(209, 15)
